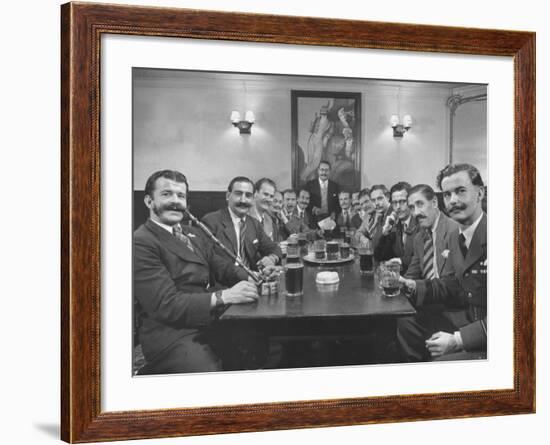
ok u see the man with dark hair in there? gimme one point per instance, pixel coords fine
(398, 230)
(302, 206)
(238, 231)
(460, 330)
(365, 219)
(294, 222)
(431, 240)
(175, 269)
(323, 195)
(277, 214)
(355, 205)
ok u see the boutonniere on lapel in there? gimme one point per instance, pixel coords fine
(445, 253)
(483, 263)
(190, 235)
(255, 241)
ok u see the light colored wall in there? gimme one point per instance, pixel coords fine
(181, 121)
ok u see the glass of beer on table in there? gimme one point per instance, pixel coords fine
(388, 275)
(294, 278)
(365, 258)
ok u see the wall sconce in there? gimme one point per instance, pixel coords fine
(243, 125)
(400, 129)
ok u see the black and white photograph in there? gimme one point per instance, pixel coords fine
(285, 221)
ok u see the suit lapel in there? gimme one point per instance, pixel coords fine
(229, 230)
(478, 244)
(174, 245)
(441, 234)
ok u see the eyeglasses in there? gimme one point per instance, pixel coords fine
(399, 202)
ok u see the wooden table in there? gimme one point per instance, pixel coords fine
(355, 308)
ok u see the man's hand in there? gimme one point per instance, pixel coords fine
(442, 343)
(242, 292)
(315, 211)
(410, 285)
(265, 262)
(388, 224)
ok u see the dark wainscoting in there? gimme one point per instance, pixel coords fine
(199, 203)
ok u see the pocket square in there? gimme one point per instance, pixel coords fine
(255, 241)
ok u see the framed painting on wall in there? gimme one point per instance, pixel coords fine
(326, 126)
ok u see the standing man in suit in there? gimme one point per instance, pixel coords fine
(175, 269)
(430, 243)
(238, 231)
(398, 230)
(323, 195)
(460, 330)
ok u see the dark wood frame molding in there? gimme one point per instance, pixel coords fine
(81, 28)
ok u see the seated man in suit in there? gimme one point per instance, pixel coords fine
(355, 204)
(277, 214)
(344, 217)
(365, 220)
(430, 243)
(380, 197)
(398, 230)
(460, 330)
(323, 195)
(175, 268)
(293, 217)
(264, 192)
(238, 231)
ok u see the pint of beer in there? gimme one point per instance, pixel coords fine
(294, 279)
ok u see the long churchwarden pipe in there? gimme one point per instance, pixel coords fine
(234, 257)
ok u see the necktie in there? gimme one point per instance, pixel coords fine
(346, 218)
(178, 233)
(242, 228)
(404, 234)
(462, 244)
(428, 258)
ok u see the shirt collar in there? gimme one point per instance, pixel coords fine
(406, 223)
(323, 183)
(468, 232)
(164, 226)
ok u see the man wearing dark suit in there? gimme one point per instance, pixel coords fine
(460, 330)
(240, 232)
(175, 269)
(380, 198)
(398, 230)
(323, 195)
(430, 243)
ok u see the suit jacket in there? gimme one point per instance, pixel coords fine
(340, 221)
(463, 287)
(444, 228)
(295, 224)
(256, 243)
(356, 221)
(171, 285)
(314, 189)
(392, 246)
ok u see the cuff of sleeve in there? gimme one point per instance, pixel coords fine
(458, 339)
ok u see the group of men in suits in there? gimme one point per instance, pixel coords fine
(181, 280)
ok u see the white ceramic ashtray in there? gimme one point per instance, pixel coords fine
(327, 277)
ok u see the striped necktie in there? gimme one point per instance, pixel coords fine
(428, 258)
(242, 229)
(178, 233)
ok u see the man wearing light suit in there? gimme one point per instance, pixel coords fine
(238, 231)
(176, 272)
(460, 330)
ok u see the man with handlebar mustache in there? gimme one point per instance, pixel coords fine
(176, 275)
(459, 331)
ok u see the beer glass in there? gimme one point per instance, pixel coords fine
(319, 247)
(388, 275)
(332, 250)
(366, 264)
(294, 279)
(292, 252)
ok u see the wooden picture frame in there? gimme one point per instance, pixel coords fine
(341, 147)
(82, 26)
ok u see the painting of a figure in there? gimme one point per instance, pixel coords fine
(326, 126)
